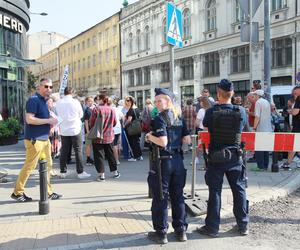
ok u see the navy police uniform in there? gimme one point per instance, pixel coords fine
(232, 165)
(172, 170)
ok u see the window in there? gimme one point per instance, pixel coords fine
(187, 68)
(107, 55)
(75, 67)
(131, 77)
(147, 38)
(278, 4)
(164, 31)
(78, 47)
(69, 51)
(114, 29)
(186, 24)
(211, 14)
(165, 72)
(282, 52)
(89, 81)
(147, 75)
(107, 78)
(138, 40)
(240, 16)
(115, 53)
(74, 48)
(100, 57)
(106, 34)
(94, 79)
(211, 64)
(83, 44)
(100, 78)
(94, 40)
(65, 53)
(94, 60)
(78, 63)
(88, 42)
(89, 62)
(83, 63)
(100, 37)
(130, 45)
(240, 59)
(139, 75)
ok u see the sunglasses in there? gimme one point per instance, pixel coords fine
(48, 87)
(128, 100)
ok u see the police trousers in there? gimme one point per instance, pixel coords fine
(235, 174)
(173, 182)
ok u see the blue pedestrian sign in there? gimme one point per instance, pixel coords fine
(174, 25)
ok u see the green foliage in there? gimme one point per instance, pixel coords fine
(31, 80)
(9, 127)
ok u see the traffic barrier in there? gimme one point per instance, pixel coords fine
(44, 201)
(262, 141)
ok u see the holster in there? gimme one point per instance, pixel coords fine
(224, 156)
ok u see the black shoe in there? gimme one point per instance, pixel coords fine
(251, 160)
(54, 196)
(244, 231)
(158, 238)
(204, 230)
(181, 236)
(89, 162)
(21, 197)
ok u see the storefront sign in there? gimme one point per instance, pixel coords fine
(11, 23)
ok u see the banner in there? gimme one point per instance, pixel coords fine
(64, 82)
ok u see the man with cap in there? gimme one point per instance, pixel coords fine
(169, 132)
(225, 123)
(262, 123)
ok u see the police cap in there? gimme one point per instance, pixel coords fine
(161, 91)
(225, 85)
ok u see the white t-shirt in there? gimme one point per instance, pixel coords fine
(263, 111)
(70, 112)
(119, 116)
(200, 117)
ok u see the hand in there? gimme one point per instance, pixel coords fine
(147, 137)
(289, 111)
(52, 121)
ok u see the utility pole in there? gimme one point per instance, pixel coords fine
(250, 44)
(172, 68)
(267, 49)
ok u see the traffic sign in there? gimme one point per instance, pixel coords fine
(174, 25)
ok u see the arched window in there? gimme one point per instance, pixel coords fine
(211, 14)
(147, 38)
(138, 41)
(164, 31)
(130, 46)
(186, 24)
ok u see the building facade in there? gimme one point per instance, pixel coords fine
(93, 57)
(42, 42)
(14, 23)
(212, 48)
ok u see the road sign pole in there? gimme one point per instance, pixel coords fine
(172, 68)
(250, 44)
(267, 49)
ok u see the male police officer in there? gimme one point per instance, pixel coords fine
(225, 123)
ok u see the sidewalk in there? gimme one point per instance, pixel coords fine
(93, 214)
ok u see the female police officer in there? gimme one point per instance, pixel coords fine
(169, 132)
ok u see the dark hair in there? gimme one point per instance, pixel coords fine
(68, 91)
(256, 84)
(103, 98)
(189, 102)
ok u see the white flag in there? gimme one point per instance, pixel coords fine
(64, 82)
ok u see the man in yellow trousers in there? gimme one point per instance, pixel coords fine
(37, 128)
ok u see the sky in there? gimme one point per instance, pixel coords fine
(71, 17)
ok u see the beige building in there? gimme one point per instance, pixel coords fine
(93, 57)
(42, 42)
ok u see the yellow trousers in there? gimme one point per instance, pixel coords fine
(33, 153)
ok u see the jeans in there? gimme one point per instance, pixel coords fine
(134, 141)
(67, 143)
(262, 159)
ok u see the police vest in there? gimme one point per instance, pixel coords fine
(174, 132)
(226, 126)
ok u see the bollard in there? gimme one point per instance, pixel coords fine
(44, 202)
(194, 151)
(275, 166)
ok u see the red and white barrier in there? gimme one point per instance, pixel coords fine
(263, 141)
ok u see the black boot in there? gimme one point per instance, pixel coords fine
(181, 236)
(159, 238)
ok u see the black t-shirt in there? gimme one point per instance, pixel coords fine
(86, 116)
(296, 118)
(134, 113)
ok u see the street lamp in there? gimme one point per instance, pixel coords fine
(41, 14)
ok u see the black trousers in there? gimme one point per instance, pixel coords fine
(67, 143)
(102, 151)
(134, 141)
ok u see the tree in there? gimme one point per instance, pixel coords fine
(31, 80)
